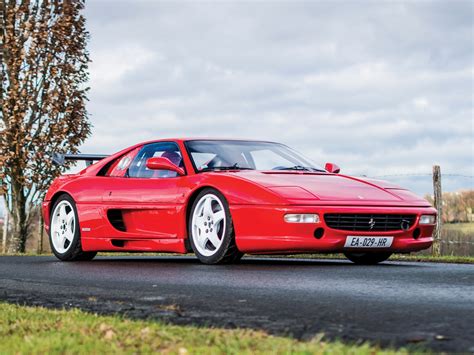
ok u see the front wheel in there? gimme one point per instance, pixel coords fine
(210, 229)
(64, 234)
(367, 258)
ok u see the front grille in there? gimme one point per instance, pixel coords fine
(369, 222)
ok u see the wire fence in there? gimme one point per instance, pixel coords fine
(456, 233)
(424, 174)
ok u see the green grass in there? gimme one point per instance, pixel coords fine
(29, 330)
(395, 257)
(451, 259)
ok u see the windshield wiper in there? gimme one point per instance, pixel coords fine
(301, 168)
(233, 167)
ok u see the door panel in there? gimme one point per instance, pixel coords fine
(147, 200)
(149, 206)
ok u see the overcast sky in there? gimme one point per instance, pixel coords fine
(379, 88)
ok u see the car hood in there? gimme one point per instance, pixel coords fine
(304, 186)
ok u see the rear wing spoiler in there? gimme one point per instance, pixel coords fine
(60, 159)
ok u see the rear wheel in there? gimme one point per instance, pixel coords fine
(64, 234)
(210, 229)
(367, 258)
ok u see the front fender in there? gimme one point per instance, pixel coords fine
(237, 191)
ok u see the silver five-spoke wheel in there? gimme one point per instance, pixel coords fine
(63, 226)
(210, 229)
(64, 231)
(209, 224)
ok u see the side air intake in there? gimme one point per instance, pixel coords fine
(116, 220)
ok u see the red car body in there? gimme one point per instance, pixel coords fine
(155, 211)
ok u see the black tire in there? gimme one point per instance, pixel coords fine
(367, 258)
(227, 252)
(74, 251)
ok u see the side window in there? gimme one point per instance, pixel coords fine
(120, 166)
(167, 150)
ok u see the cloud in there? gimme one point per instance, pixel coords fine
(379, 88)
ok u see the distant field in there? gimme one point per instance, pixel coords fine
(457, 239)
(467, 228)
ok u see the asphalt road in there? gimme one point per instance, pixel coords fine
(396, 303)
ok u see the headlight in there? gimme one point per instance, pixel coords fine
(302, 218)
(427, 219)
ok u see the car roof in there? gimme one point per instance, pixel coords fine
(186, 139)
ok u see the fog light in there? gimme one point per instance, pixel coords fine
(427, 219)
(416, 233)
(302, 218)
(318, 233)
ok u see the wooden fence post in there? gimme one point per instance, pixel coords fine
(6, 223)
(438, 204)
(41, 229)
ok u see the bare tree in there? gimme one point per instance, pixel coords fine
(44, 69)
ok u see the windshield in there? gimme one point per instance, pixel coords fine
(246, 155)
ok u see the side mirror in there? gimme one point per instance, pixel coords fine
(332, 168)
(159, 163)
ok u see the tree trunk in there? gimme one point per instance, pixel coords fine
(19, 221)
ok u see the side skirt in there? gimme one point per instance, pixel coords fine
(174, 245)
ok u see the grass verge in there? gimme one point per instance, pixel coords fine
(395, 257)
(452, 259)
(28, 330)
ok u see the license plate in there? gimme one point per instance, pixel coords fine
(368, 242)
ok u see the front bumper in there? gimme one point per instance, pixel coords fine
(262, 229)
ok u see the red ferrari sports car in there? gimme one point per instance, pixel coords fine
(223, 198)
